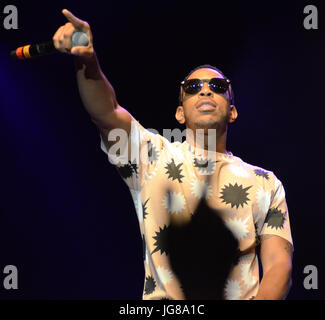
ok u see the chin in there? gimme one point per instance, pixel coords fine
(206, 124)
(211, 122)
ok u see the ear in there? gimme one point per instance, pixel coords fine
(233, 114)
(180, 115)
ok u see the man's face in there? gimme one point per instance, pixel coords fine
(205, 109)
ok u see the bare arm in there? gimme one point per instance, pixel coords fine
(276, 255)
(96, 92)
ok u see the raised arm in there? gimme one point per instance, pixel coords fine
(96, 92)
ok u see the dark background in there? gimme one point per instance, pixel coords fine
(67, 220)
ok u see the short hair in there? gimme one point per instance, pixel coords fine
(208, 66)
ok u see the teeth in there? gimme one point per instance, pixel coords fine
(206, 105)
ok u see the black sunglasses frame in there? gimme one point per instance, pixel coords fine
(200, 83)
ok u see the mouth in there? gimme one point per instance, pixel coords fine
(206, 106)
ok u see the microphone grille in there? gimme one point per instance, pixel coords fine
(79, 39)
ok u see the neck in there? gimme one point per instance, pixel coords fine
(207, 140)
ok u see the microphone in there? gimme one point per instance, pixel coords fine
(41, 49)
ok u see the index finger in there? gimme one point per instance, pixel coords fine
(77, 23)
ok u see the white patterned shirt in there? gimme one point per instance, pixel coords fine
(251, 201)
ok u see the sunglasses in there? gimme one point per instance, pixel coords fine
(217, 85)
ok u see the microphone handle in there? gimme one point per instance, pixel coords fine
(41, 49)
(34, 50)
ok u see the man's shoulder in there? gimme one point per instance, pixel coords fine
(259, 172)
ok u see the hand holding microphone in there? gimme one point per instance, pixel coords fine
(64, 36)
(74, 38)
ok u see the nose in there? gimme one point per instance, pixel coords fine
(205, 91)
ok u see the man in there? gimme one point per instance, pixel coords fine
(251, 200)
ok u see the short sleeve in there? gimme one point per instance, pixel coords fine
(277, 220)
(132, 154)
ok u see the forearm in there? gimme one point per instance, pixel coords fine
(96, 93)
(275, 283)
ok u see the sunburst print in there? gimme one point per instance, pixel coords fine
(164, 274)
(232, 290)
(235, 195)
(174, 202)
(161, 240)
(246, 271)
(174, 171)
(200, 188)
(262, 173)
(263, 199)
(238, 227)
(205, 166)
(153, 153)
(238, 171)
(150, 285)
(127, 170)
(275, 218)
(257, 236)
(144, 209)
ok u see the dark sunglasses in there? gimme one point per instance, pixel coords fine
(217, 85)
